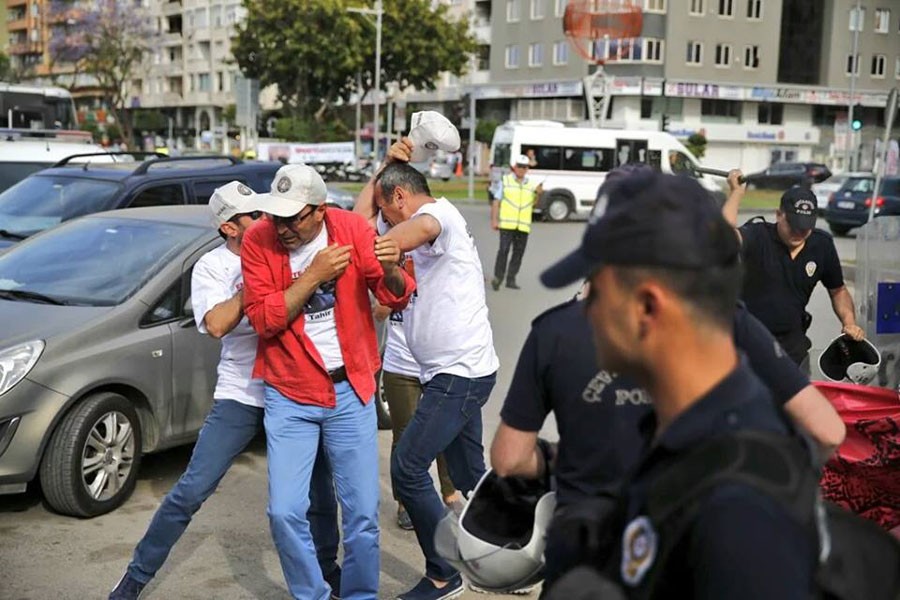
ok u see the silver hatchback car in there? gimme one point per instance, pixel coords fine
(100, 359)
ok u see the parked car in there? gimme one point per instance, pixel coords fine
(781, 176)
(19, 158)
(70, 190)
(100, 360)
(849, 206)
(824, 190)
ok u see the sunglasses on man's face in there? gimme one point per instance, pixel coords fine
(294, 220)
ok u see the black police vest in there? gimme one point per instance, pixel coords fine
(857, 559)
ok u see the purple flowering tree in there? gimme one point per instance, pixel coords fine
(105, 40)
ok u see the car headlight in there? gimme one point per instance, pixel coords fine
(16, 362)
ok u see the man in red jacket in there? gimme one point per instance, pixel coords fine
(307, 274)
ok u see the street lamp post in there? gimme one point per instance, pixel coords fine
(851, 135)
(378, 11)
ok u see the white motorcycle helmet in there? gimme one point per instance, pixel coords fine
(850, 361)
(498, 541)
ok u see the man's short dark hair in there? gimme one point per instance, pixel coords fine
(402, 175)
(712, 292)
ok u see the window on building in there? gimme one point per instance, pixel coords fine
(537, 9)
(653, 50)
(751, 57)
(484, 57)
(878, 65)
(626, 49)
(512, 10)
(882, 20)
(726, 8)
(657, 6)
(857, 19)
(723, 55)
(754, 9)
(824, 116)
(695, 53)
(646, 108)
(220, 81)
(770, 113)
(698, 8)
(535, 55)
(512, 57)
(561, 53)
(897, 68)
(560, 7)
(35, 9)
(720, 108)
(852, 64)
(203, 82)
(34, 34)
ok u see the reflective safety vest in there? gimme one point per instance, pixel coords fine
(517, 203)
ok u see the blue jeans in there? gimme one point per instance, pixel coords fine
(228, 428)
(348, 432)
(448, 421)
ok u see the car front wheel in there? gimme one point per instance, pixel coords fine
(91, 463)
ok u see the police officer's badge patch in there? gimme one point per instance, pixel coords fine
(638, 550)
(244, 190)
(810, 268)
(283, 185)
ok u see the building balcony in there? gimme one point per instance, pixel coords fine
(170, 39)
(13, 3)
(482, 32)
(25, 48)
(171, 8)
(17, 25)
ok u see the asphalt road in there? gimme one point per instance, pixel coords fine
(227, 553)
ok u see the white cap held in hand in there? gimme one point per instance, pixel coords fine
(429, 132)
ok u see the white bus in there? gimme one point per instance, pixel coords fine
(33, 107)
(572, 162)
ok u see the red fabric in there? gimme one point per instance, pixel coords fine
(286, 358)
(864, 474)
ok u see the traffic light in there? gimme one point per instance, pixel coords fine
(856, 124)
(665, 122)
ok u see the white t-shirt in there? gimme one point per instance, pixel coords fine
(447, 326)
(397, 357)
(318, 311)
(217, 278)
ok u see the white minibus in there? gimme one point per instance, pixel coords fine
(572, 162)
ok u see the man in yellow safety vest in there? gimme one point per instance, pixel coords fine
(511, 213)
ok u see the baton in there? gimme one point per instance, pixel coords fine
(719, 173)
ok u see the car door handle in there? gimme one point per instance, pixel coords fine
(187, 322)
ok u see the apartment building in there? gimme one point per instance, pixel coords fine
(763, 80)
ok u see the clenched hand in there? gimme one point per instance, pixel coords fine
(387, 251)
(330, 263)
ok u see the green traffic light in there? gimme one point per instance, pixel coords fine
(856, 125)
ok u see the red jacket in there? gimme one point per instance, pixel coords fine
(286, 358)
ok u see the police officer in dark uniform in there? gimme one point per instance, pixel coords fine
(661, 307)
(597, 412)
(783, 262)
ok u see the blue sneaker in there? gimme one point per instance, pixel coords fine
(426, 590)
(128, 588)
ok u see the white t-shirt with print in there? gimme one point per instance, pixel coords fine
(447, 326)
(215, 279)
(318, 312)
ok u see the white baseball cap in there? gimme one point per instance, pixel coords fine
(520, 160)
(294, 188)
(233, 199)
(429, 132)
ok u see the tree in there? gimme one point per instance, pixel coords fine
(313, 49)
(696, 143)
(6, 70)
(106, 39)
(484, 130)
